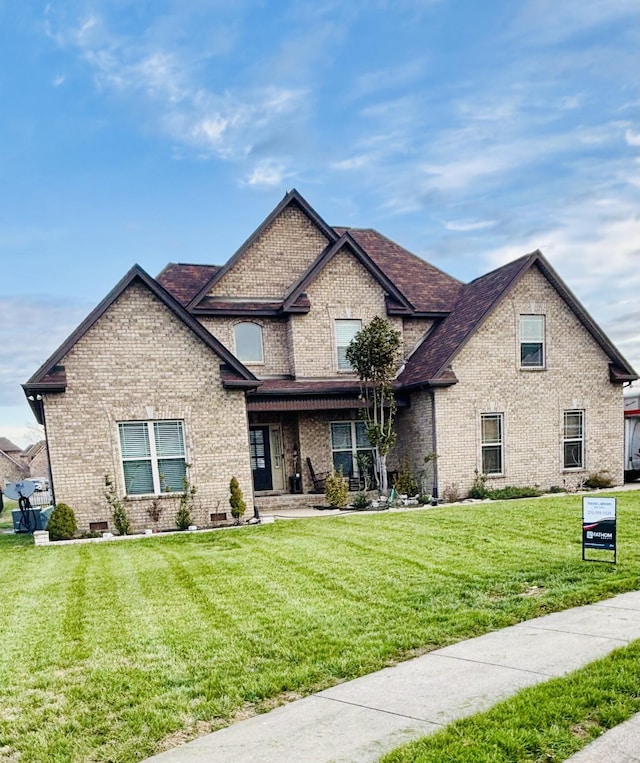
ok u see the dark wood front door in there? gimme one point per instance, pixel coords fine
(260, 458)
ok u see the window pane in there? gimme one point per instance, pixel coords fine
(172, 472)
(169, 439)
(362, 441)
(345, 332)
(341, 436)
(138, 477)
(134, 440)
(572, 455)
(532, 328)
(491, 429)
(343, 462)
(573, 424)
(249, 342)
(492, 459)
(531, 354)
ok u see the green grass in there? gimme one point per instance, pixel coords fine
(112, 652)
(542, 724)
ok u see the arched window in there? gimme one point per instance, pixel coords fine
(249, 342)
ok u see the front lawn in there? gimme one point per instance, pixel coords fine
(112, 652)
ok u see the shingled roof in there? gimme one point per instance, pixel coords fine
(428, 289)
(184, 281)
(431, 361)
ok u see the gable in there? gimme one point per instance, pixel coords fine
(276, 254)
(431, 363)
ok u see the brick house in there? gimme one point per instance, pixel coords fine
(240, 371)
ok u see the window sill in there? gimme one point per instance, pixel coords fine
(574, 469)
(532, 368)
(153, 496)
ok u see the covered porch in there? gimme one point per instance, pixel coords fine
(296, 427)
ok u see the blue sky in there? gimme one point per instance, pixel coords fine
(470, 131)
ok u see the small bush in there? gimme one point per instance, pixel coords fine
(424, 499)
(557, 489)
(451, 494)
(479, 488)
(509, 492)
(361, 502)
(598, 480)
(406, 483)
(336, 490)
(118, 511)
(184, 515)
(62, 523)
(236, 500)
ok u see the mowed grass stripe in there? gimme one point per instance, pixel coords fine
(178, 634)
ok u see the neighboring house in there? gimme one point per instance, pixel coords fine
(35, 456)
(241, 371)
(12, 468)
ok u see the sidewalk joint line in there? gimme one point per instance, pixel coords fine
(380, 710)
(579, 633)
(494, 664)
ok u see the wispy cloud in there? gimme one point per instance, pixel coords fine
(632, 138)
(268, 173)
(462, 226)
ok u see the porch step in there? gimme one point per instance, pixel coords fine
(287, 502)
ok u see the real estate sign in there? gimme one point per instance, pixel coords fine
(599, 524)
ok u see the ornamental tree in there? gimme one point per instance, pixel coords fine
(374, 354)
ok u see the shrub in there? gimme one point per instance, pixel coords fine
(118, 511)
(451, 493)
(184, 515)
(62, 523)
(598, 480)
(361, 502)
(336, 490)
(406, 483)
(506, 493)
(479, 488)
(236, 500)
(557, 489)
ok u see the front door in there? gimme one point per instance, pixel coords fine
(260, 451)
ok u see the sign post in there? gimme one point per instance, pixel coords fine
(599, 526)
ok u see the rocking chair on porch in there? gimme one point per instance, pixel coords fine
(319, 480)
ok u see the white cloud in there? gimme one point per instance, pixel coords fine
(267, 173)
(462, 226)
(58, 80)
(632, 138)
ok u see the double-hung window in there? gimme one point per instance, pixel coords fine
(532, 341)
(492, 428)
(573, 440)
(345, 333)
(352, 451)
(153, 456)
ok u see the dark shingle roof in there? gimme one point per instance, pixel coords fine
(431, 360)
(428, 289)
(184, 281)
(8, 447)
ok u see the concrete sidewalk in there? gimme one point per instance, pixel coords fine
(360, 720)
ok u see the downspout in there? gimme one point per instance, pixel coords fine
(434, 443)
(46, 443)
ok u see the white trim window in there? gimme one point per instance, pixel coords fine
(153, 456)
(492, 428)
(349, 441)
(573, 440)
(345, 333)
(532, 353)
(248, 341)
